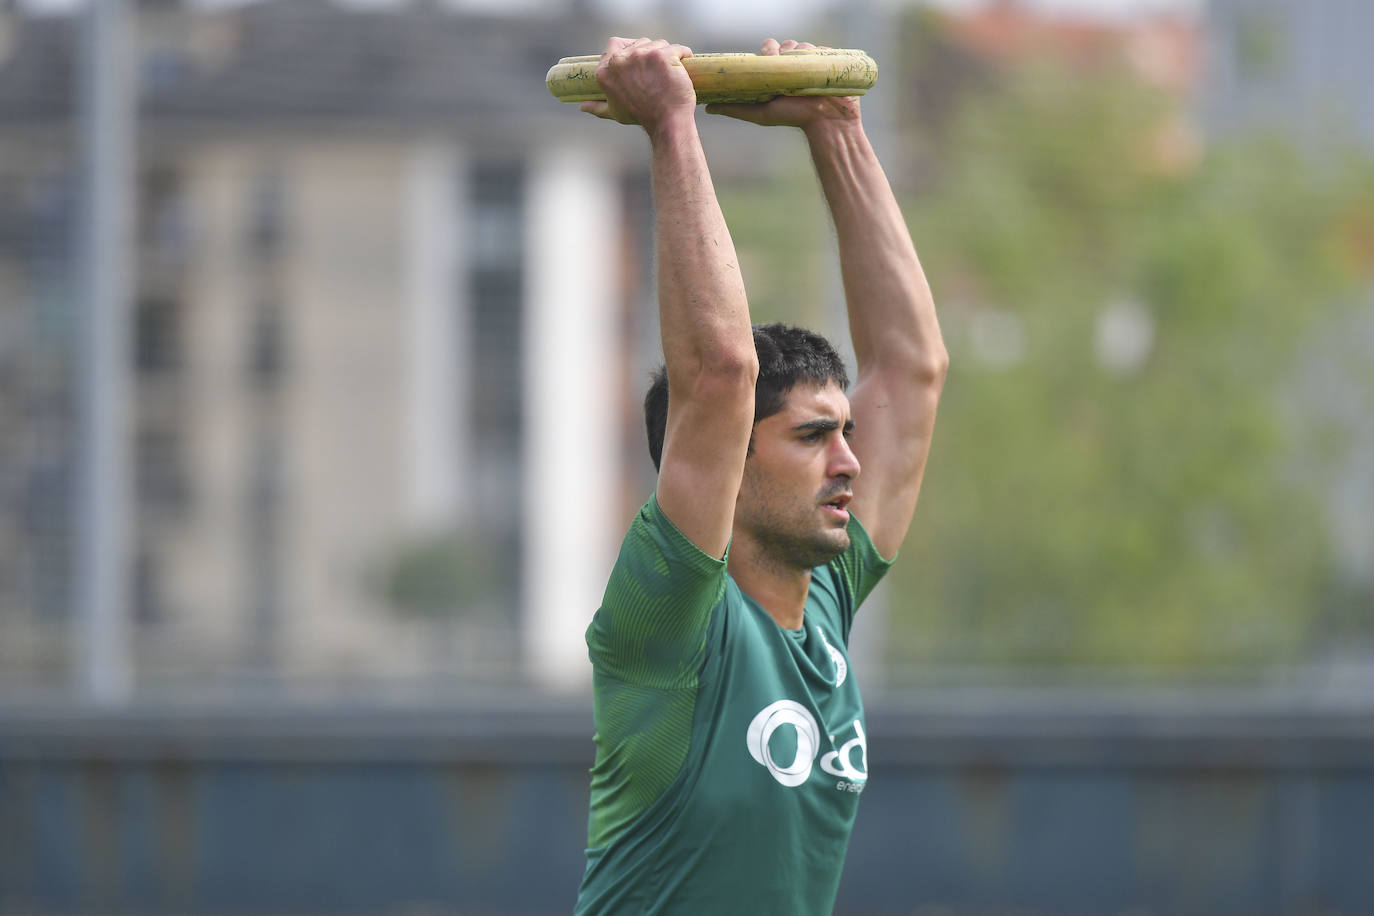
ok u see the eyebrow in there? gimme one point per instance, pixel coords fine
(823, 424)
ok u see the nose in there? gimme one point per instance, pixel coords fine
(843, 461)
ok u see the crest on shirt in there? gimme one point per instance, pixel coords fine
(841, 667)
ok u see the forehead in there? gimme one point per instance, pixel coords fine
(807, 401)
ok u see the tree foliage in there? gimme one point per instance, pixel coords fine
(1120, 474)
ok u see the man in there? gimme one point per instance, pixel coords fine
(730, 741)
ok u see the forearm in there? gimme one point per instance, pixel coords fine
(892, 319)
(703, 311)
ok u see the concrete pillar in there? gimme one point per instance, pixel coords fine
(436, 396)
(105, 510)
(571, 469)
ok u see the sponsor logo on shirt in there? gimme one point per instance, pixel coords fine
(841, 666)
(842, 763)
(849, 762)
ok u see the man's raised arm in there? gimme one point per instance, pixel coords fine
(901, 356)
(708, 345)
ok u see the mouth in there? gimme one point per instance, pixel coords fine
(839, 505)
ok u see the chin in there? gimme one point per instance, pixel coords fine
(802, 549)
(827, 545)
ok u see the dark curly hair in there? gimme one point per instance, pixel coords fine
(788, 356)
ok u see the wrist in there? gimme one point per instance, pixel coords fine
(676, 124)
(824, 132)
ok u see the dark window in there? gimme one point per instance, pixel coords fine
(163, 482)
(267, 349)
(158, 335)
(162, 228)
(148, 603)
(267, 216)
(496, 257)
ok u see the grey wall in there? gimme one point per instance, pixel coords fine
(1063, 804)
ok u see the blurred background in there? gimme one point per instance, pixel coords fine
(323, 332)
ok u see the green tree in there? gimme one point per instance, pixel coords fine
(1147, 502)
(1118, 476)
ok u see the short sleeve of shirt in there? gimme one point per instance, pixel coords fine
(856, 572)
(651, 627)
(647, 645)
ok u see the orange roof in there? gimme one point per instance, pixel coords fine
(1162, 49)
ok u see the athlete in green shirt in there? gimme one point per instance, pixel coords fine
(731, 749)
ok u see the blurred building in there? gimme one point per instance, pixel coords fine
(1296, 67)
(380, 276)
(1161, 51)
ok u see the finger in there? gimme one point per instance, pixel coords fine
(770, 47)
(615, 50)
(744, 111)
(600, 109)
(627, 46)
(620, 49)
(681, 52)
(788, 45)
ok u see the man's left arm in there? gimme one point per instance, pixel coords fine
(901, 356)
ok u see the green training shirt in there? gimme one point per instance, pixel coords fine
(730, 752)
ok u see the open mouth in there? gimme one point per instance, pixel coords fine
(840, 503)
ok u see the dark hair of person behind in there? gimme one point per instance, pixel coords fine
(788, 356)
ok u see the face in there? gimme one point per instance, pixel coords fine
(796, 489)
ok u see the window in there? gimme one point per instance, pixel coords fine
(496, 295)
(267, 348)
(158, 335)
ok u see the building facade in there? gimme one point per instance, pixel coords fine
(380, 278)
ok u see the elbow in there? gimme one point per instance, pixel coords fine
(730, 371)
(932, 370)
(740, 365)
(731, 360)
(721, 374)
(920, 360)
(924, 366)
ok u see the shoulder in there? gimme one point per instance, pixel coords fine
(657, 548)
(651, 628)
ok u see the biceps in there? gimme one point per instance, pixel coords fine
(703, 461)
(892, 439)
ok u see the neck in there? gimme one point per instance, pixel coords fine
(778, 588)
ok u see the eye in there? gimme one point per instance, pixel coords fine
(812, 436)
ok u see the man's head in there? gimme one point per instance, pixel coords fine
(788, 357)
(792, 504)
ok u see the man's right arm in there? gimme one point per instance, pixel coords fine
(708, 344)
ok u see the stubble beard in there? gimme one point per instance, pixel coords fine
(805, 551)
(799, 543)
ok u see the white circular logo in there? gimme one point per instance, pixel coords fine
(769, 720)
